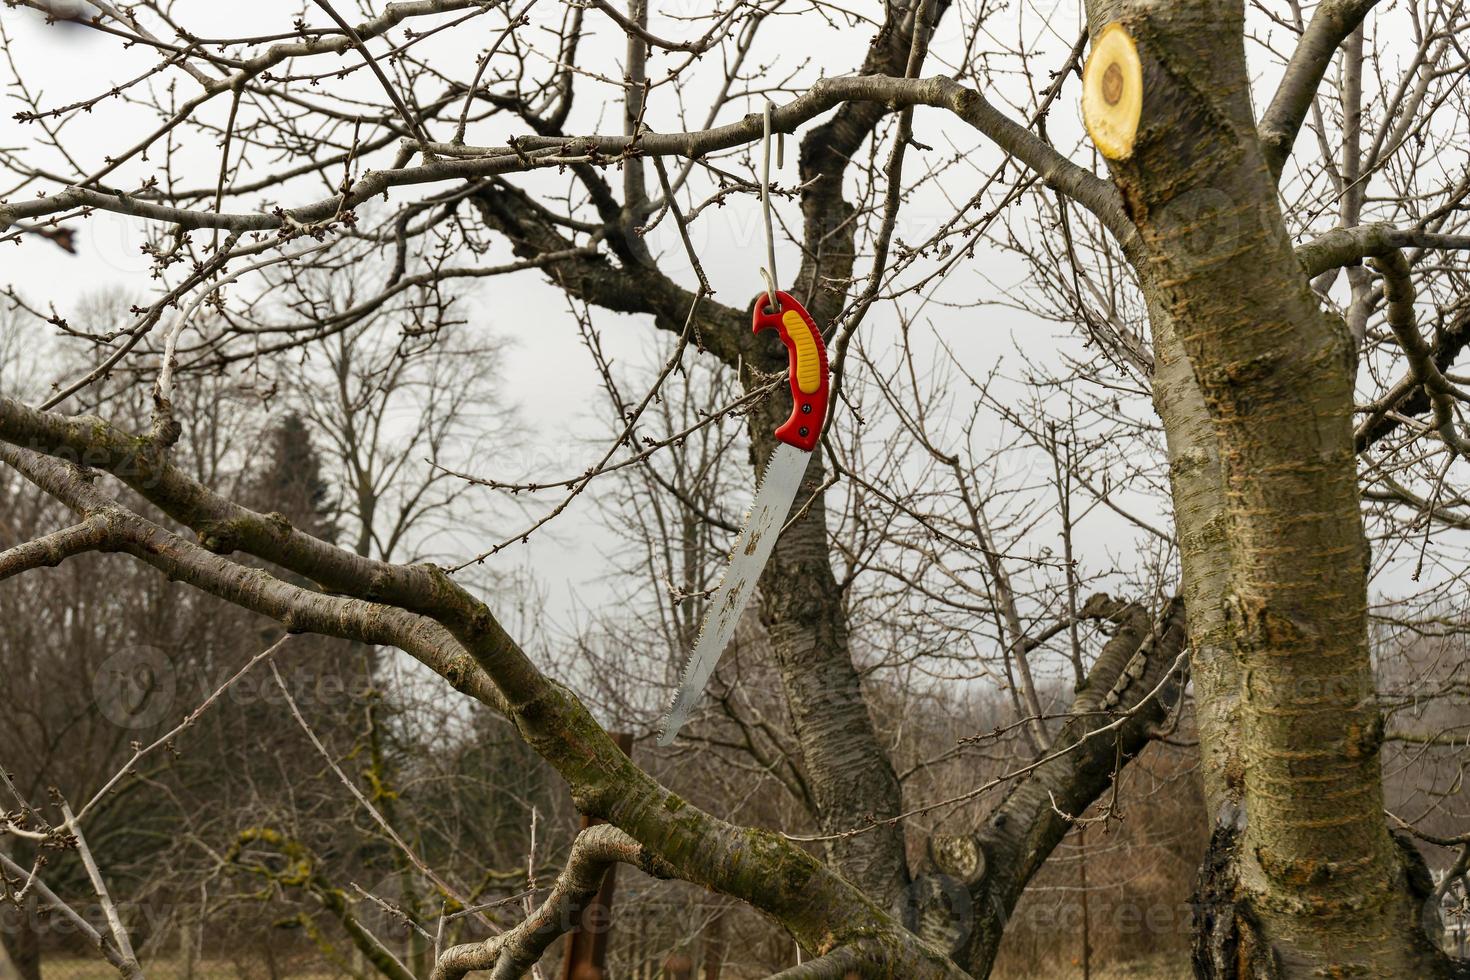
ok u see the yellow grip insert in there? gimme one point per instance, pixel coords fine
(808, 370)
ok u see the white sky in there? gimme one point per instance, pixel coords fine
(549, 376)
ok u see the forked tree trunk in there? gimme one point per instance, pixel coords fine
(1305, 881)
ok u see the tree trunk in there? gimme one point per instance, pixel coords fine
(19, 942)
(1312, 884)
(1204, 555)
(848, 769)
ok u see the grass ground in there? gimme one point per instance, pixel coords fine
(81, 968)
(1173, 967)
(57, 968)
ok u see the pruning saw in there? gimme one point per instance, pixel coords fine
(795, 440)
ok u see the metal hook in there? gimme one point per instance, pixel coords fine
(772, 304)
(769, 272)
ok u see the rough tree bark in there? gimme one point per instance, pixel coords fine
(1313, 884)
(1204, 557)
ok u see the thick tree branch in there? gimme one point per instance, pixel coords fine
(221, 524)
(1332, 22)
(1398, 291)
(756, 867)
(840, 964)
(513, 953)
(537, 152)
(54, 548)
(1418, 391)
(637, 286)
(1407, 397)
(298, 609)
(1349, 246)
(998, 860)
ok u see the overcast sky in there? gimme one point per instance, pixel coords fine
(548, 375)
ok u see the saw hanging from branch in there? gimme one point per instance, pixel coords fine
(796, 439)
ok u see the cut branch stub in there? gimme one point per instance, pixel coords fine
(958, 857)
(1112, 92)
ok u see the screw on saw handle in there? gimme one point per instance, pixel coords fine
(808, 368)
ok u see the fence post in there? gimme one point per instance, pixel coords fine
(714, 946)
(586, 956)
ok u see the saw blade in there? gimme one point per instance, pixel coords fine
(752, 548)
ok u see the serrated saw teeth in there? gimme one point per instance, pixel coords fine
(782, 477)
(752, 549)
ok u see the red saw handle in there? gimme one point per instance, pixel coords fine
(808, 368)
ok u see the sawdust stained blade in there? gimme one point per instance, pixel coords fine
(767, 513)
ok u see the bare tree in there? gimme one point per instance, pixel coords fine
(1194, 257)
